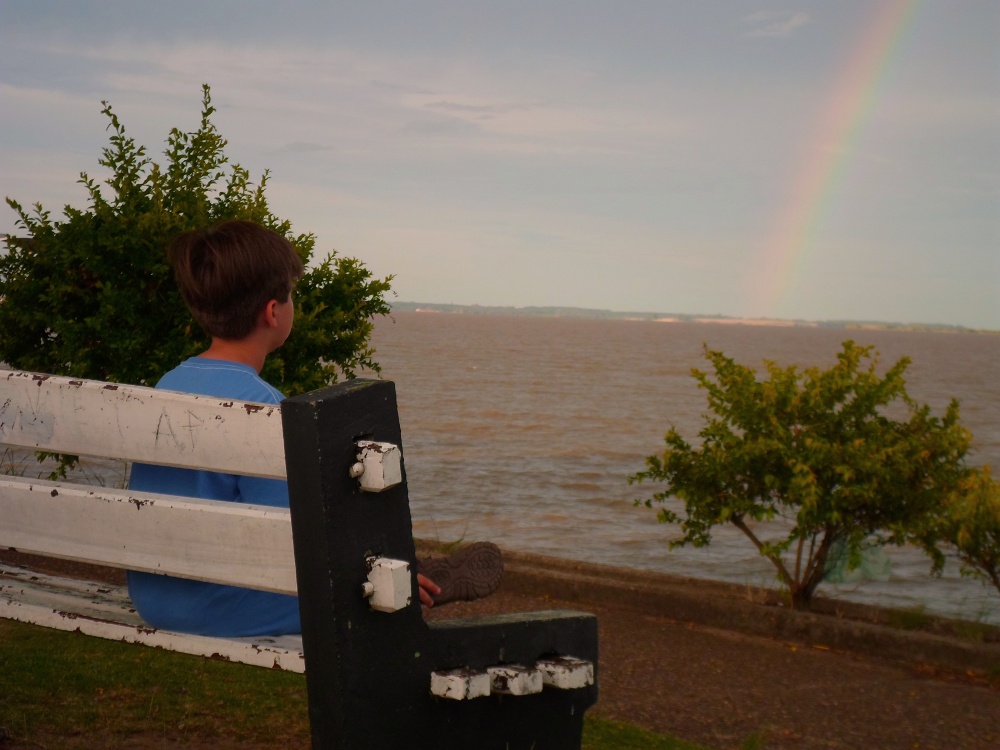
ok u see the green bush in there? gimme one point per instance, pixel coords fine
(819, 450)
(93, 297)
(971, 526)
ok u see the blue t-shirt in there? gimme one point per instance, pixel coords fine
(194, 606)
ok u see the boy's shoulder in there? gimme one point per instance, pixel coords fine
(221, 379)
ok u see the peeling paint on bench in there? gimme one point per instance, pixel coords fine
(514, 679)
(566, 672)
(560, 673)
(213, 434)
(214, 541)
(460, 684)
(105, 611)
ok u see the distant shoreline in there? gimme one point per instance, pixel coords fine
(658, 317)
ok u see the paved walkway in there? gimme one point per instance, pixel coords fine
(720, 688)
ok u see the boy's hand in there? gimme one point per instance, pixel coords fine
(428, 590)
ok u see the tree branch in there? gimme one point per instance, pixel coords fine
(814, 570)
(792, 583)
(798, 557)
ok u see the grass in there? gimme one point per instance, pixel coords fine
(64, 689)
(604, 734)
(912, 618)
(61, 684)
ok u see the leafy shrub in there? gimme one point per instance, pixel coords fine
(93, 297)
(971, 525)
(818, 450)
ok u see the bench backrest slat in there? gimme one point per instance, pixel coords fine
(220, 542)
(133, 423)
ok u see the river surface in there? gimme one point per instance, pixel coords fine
(523, 430)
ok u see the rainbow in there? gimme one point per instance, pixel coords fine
(848, 109)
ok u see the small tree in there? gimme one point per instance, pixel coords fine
(971, 525)
(93, 296)
(817, 449)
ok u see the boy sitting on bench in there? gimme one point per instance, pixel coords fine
(237, 278)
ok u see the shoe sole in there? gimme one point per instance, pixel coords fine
(471, 573)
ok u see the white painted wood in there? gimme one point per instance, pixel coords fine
(460, 684)
(220, 542)
(566, 672)
(514, 679)
(89, 417)
(105, 611)
(391, 584)
(380, 466)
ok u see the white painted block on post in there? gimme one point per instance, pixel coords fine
(513, 679)
(566, 672)
(390, 589)
(460, 684)
(379, 466)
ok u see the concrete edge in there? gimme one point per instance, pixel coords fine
(833, 624)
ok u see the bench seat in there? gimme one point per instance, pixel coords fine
(105, 610)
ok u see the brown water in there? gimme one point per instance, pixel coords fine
(523, 430)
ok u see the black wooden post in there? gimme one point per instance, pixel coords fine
(368, 673)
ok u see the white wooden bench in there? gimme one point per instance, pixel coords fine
(378, 676)
(221, 542)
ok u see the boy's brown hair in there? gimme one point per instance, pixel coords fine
(229, 272)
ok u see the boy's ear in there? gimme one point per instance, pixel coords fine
(268, 315)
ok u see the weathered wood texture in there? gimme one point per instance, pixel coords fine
(140, 424)
(369, 672)
(219, 542)
(105, 611)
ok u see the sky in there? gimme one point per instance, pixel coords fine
(807, 159)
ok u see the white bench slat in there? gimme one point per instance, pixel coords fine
(220, 542)
(134, 423)
(104, 611)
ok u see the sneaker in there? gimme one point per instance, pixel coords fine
(471, 573)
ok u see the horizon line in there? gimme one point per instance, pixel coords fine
(552, 310)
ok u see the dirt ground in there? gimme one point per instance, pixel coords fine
(721, 688)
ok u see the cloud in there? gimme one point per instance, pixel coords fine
(300, 147)
(775, 23)
(450, 127)
(449, 106)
